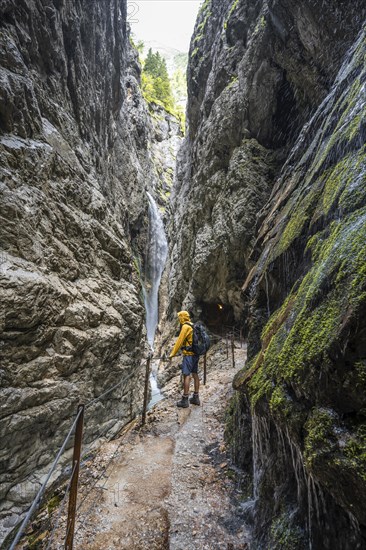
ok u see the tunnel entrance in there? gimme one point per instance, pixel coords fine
(217, 317)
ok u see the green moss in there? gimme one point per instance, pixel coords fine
(230, 424)
(360, 370)
(233, 81)
(204, 6)
(260, 385)
(136, 265)
(345, 182)
(319, 439)
(53, 503)
(279, 402)
(200, 29)
(37, 541)
(233, 8)
(355, 451)
(231, 11)
(352, 109)
(278, 317)
(261, 24)
(298, 218)
(205, 13)
(297, 338)
(284, 535)
(195, 52)
(354, 191)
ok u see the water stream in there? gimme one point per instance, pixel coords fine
(155, 261)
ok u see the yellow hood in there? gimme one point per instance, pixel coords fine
(184, 317)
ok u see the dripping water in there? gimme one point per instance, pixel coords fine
(155, 261)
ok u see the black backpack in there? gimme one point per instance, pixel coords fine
(201, 340)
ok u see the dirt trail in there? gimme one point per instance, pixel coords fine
(168, 485)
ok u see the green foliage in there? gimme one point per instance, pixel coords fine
(139, 47)
(179, 84)
(155, 81)
(181, 61)
(158, 88)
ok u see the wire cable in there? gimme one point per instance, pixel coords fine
(87, 405)
(42, 489)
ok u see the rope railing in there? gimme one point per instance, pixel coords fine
(37, 500)
(42, 489)
(107, 392)
(71, 488)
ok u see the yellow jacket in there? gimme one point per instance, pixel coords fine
(185, 337)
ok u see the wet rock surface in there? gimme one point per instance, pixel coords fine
(169, 484)
(79, 147)
(256, 72)
(304, 382)
(274, 167)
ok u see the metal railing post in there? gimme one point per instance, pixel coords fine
(204, 369)
(75, 478)
(146, 390)
(233, 350)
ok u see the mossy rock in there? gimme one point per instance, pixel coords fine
(284, 535)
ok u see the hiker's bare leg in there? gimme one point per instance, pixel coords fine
(196, 381)
(187, 381)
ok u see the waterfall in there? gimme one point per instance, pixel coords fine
(155, 261)
(157, 249)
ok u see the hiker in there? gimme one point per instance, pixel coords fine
(190, 360)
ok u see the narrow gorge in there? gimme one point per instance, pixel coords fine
(113, 220)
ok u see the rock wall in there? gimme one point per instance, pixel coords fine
(256, 71)
(270, 192)
(78, 149)
(305, 384)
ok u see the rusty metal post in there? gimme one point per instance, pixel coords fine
(233, 350)
(204, 369)
(146, 390)
(75, 478)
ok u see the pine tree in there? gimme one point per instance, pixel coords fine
(155, 80)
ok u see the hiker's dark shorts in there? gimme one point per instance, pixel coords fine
(190, 364)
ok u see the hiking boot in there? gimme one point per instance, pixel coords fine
(183, 402)
(195, 399)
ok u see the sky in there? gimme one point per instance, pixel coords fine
(170, 22)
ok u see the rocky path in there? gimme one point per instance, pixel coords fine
(168, 485)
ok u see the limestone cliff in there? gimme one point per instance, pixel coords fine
(78, 149)
(271, 189)
(256, 72)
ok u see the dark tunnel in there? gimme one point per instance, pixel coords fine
(217, 317)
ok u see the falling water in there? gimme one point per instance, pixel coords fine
(155, 261)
